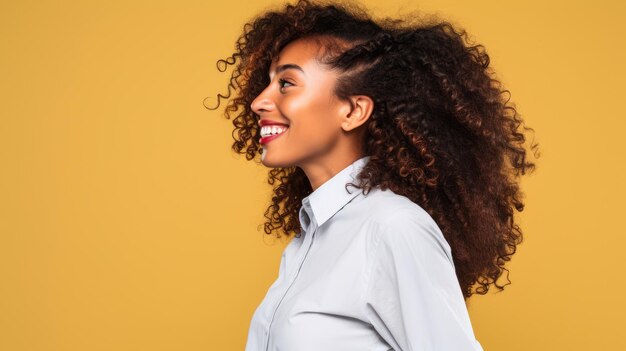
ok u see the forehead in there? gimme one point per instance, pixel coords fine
(300, 51)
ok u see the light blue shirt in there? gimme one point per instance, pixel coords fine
(369, 272)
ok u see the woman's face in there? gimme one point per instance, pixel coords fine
(300, 95)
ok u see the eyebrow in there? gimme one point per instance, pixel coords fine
(288, 66)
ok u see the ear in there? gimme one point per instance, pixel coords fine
(362, 107)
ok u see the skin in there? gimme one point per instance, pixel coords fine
(325, 134)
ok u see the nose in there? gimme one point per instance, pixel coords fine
(262, 103)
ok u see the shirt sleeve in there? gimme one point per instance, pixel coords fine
(413, 298)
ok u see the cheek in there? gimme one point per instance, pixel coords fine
(313, 120)
(314, 131)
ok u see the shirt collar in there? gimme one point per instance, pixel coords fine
(331, 196)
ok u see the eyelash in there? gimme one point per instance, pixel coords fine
(281, 81)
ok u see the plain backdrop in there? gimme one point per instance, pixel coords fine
(127, 223)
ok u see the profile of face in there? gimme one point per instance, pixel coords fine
(300, 94)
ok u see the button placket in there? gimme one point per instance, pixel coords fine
(308, 243)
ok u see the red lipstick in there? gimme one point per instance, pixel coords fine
(267, 122)
(266, 139)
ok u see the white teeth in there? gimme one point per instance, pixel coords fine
(272, 130)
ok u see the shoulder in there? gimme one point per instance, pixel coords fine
(401, 223)
(388, 209)
(384, 204)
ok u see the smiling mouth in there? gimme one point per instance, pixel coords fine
(267, 136)
(269, 131)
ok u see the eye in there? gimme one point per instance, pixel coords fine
(281, 81)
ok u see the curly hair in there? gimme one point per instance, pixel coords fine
(442, 131)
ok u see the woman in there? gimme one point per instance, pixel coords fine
(408, 112)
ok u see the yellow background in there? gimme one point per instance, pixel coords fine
(127, 223)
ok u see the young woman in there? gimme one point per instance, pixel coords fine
(409, 113)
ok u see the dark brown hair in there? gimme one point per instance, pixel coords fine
(442, 132)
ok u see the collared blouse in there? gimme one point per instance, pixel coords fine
(369, 272)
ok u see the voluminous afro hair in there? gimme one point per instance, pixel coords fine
(442, 132)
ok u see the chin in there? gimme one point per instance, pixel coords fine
(268, 161)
